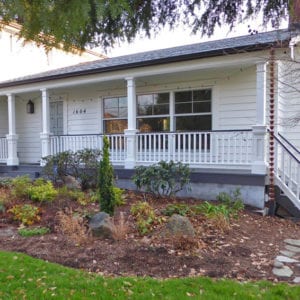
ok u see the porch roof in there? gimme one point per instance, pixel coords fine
(227, 46)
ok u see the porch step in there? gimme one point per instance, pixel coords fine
(33, 171)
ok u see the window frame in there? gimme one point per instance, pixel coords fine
(104, 119)
(193, 113)
(154, 116)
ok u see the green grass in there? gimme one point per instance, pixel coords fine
(22, 277)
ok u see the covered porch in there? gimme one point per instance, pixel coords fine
(209, 113)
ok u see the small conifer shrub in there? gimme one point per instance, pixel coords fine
(107, 196)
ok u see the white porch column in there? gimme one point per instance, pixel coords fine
(45, 134)
(260, 129)
(12, 137)
(130, 132)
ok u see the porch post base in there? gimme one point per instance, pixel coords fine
(130, 160)
(45, 139)
(12, 142)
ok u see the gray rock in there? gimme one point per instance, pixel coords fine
(296, 280)
(286, 259)
(7, 232)
(178, 226)
(101, 225)
(282, 272)
(292, 242)
(71, 183)
(278, 264)
(292, 248)
(287, 253)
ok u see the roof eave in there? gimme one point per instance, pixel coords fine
(185, 57)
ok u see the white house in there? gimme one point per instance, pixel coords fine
(204, 104)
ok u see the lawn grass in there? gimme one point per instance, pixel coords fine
(23, 277)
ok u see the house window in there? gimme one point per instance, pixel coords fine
(115, 114)
(193, 110)
(153, 112)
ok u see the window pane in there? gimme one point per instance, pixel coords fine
(123, 102)
(115, 107)
(115, 126)
(111, 113)
(123, 112)
(193, 123)
(201, 95)
(201, 107)
(162, 109)
(144, 110)
(182, 108)
(153, 124)
(110, 102)
(161, 98)
(183, 96)
(154, 104)
(145, 100)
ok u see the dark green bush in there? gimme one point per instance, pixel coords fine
(162, 179)
(57, 166)
(81, 164)
(107, 195)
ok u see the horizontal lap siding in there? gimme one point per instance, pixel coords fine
(83, 115)
(28, 127)
(236, 104)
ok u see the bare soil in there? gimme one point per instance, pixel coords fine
(245, 252)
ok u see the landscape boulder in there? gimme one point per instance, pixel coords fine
(71, 182)
(178, 225)
(101, 225)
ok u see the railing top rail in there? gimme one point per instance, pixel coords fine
(286, 149)
(86, 134)
(198, 131)
(157, 132)
(289, 143)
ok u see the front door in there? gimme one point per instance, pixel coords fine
(56, 118)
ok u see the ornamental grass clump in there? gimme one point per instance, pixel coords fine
(144, 215)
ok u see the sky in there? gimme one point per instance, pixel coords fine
(181, 36)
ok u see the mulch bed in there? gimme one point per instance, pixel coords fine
(245, 252)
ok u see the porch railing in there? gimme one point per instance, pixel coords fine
(93, 141)
(232, 148)
(3, 150)
(196, 148)
(287, 171)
